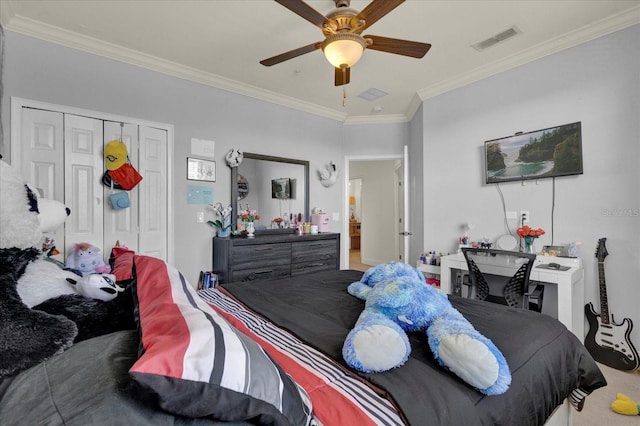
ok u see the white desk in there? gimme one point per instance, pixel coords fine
(570, 284)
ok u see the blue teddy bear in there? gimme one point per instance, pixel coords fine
(399, 301)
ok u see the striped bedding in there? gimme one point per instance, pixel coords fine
(198, 365)
(547, 362)
(338, 397)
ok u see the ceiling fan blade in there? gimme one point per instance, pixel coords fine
(291, 54)
(305, 11)
(342, 76)
(399, 47)
(376, 10)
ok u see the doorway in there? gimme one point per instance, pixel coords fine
(355, 217)
(373, 181)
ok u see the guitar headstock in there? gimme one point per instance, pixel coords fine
(601, 250)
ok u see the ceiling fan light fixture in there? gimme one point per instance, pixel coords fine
(343, 49)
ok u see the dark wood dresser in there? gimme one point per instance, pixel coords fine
(274, 255)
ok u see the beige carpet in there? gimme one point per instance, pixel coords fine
(597, 409)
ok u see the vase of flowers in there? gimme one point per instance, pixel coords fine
(529, 236)
(222, 225)
(249, 216)
(250, 228)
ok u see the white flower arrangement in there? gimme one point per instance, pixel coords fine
(224, 213)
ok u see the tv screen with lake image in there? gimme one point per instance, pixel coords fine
(556, 151)
(281, 188)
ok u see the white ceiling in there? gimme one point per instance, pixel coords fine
(220, 43)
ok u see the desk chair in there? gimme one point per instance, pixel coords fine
(501, 276)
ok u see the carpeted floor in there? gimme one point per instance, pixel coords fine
(597, 410)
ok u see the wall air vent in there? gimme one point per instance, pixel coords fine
(498, 38)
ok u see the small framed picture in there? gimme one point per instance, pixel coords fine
(198, 169)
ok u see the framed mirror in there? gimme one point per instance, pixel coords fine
(276, 187)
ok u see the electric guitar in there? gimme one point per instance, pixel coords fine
(607, 341)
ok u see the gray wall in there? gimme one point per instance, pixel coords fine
(597, 83)
(47, 72)
(419, 194)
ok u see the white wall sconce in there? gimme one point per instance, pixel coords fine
(328, 175)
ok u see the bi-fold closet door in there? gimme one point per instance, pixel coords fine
(62, 155)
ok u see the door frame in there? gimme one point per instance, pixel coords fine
(16, 136)
(344, 249)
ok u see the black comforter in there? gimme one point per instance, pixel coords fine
(546, 360)
(89, 384)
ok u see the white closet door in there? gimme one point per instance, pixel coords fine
(83, 187)
(60, 151)
(122, 225)
(153, 192)
(41, 156)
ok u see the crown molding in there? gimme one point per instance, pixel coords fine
(50, 33)
(7, 14)
(20, 24)
(376, 119)
(589, 32)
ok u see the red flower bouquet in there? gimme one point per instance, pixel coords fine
(526, 231)
(529, 234)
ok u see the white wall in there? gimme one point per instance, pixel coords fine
(378, 228)
(597, 83)
(47, 72)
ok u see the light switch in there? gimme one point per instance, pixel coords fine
(200, 217)
(336, 216)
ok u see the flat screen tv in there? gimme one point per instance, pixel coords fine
(546, 153)
(281, 188)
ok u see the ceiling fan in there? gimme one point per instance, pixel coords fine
(344, 43)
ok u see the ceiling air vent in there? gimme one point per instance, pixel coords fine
(372, 94)
(498, 38)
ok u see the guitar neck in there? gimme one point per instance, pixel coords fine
(604, 304)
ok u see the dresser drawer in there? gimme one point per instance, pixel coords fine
(273, 271)
(261, 255)
(313, 266)
(314, 251)
(274, 256)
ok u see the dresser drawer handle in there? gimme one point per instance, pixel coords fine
(317, 245)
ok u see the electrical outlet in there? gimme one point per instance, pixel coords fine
(524, 217)
(200, 217)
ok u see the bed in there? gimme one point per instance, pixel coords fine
(279, 344)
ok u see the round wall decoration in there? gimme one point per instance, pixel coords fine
(507, 242)
(243, 187)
